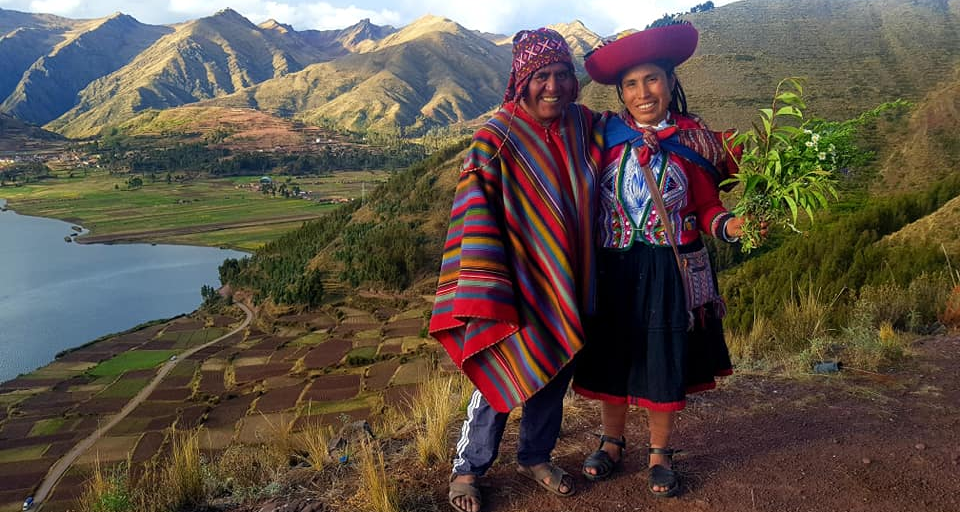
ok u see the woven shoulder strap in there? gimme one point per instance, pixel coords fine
(657, 197)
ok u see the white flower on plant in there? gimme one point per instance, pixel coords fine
(822, 155)
(808, 132)
(815, 138)
(809, 143)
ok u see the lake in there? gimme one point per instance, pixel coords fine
(56, 295)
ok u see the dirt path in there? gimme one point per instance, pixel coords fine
(845, 442)
(156, 234)
(62, 465)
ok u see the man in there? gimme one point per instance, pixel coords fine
(517, 269)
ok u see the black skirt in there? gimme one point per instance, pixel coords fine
(638, 348)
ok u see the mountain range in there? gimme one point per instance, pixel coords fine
(76, 77)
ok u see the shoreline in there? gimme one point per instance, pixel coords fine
(159, 236)
(117, 330)
(100, 339)
(147, 236)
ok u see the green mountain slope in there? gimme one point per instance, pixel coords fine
(201, 59)
(433, 72)
(50, 86)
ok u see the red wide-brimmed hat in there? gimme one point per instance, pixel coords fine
(670, 43)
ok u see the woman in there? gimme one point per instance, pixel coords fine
(642, 349)
(517, 266)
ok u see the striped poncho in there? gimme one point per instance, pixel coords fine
(517, 267)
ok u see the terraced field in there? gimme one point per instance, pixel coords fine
(330, 367)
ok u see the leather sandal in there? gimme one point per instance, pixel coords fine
(463, 490)
(601, 461)
(663, 477)
(554, 476)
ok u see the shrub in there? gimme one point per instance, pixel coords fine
(914, 308)
(247, 472)
(864, 346)
(107, 491)
(755, 344)
(928, 293)
(951, 311)
(802, 320)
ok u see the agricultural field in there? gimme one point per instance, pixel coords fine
(216, 212)
(250, 386)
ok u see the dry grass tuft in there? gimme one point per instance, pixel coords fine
(803, 319)
(314, 442)
(753, 344)
(951, 311)
(183, 476)
(432, 411)
(377, 491)
(392, 422)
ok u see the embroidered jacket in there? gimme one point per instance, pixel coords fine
(626, 211)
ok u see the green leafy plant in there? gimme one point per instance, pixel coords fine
(786, 167)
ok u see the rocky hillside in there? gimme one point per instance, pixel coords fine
(49, 87)
(854, 54)
(18, 50)
(15, 135)
(12, 20)
(432, 72)
(201, 59)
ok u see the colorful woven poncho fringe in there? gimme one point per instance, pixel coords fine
(517, 267)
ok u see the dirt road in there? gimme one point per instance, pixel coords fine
(62, 465)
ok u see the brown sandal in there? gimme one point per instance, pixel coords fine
(554, 476)
(463, 490)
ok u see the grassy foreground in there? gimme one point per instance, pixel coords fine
(217, 212)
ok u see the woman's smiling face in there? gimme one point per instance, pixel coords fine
(647, 92)
(549, 91)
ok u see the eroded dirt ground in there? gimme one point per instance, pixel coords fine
(851, 441)
(844, 442)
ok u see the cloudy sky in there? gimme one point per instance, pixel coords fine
(605, 17)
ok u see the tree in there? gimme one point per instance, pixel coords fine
(134, 182)
(704, 7)
(666, 19)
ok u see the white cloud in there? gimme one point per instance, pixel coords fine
(301, 15)
(486, 15)
(606, 17)
(615, 17)
(323, 16)
(61, 7)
